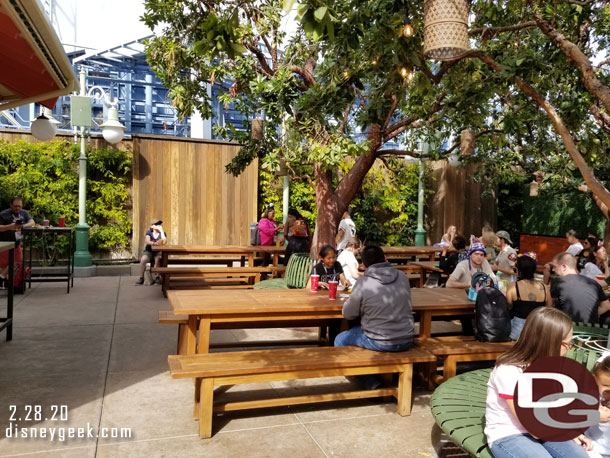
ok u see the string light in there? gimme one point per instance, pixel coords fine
(407, 30)
(374, 61)
(346, 74)
(406, 73)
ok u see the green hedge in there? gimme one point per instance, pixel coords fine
(45, 175)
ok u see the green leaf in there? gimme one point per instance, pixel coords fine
(320, 13)
(238, 48)
(302, 10)
(288, 4)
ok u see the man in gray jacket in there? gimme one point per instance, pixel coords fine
(382, 301)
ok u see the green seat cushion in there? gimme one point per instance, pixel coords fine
(274, 283)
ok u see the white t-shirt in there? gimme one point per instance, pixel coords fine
(575, 248)
(349, 231)
(600, 435)
(347, 258)
(590, 270)
(499, 420)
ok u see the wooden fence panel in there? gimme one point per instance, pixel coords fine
(183, 182)
(456, 200)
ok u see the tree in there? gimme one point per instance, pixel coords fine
(317, 88)
(526, 87)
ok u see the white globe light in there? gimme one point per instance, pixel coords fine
(113, 134)
(43, 129)
(112, 129)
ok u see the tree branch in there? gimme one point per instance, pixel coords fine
(603, 120)
(264, 66)
(294, 176)
(395, 171)
(396, 152)
(484, 132)
(488, 33)
(578, 58)
(303, 73)
(393, 130)
(345, 118)
(390, 112)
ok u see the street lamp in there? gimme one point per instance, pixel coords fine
(112, 131)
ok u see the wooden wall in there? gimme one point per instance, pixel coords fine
(183, 182)
(456, 200)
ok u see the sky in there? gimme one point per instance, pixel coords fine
(98, 24)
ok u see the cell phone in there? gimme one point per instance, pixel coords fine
(19, 221)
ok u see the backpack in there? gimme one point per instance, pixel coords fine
(255, 235)
(492, 317)
(479, 280)
(299, 229)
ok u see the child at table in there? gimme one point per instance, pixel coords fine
(329, 269)
(547, 332)
(600, 434)
(155, 236)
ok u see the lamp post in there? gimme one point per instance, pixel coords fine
(112, 131)
(420, 232)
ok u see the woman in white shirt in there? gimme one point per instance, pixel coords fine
(575, 246)
(348, 260)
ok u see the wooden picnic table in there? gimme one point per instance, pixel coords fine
(229, 306)
(425, 268)
(6, 322)
(401, 252)
(206, 250)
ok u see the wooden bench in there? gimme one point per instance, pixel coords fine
(214, 260)
(454, 349)
(168, 317)
(245, 277)
(219, 369)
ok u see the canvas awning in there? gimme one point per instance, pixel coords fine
(33, 64)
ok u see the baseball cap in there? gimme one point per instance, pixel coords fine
(504, 235)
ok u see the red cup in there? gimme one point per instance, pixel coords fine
(332, 289)
(600, 277)
(314, 283)
(61, 221)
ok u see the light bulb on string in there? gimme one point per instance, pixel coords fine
(407, 30)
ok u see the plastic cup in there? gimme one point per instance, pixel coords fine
(600, 277)
(314, 283)
(61, 221)
(45, 222)
(332, 289)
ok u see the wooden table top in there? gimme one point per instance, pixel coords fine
(5, 246)
(411, 250)
(220, 249)
(219, 302)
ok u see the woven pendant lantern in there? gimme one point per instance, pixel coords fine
(445, 29)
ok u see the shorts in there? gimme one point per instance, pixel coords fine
(18, 257)
(151, 254)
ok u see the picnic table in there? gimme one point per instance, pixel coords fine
(426, 267)
(409, 252)
(233, 306)
(211, 250)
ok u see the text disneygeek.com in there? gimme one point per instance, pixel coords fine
(61, 433)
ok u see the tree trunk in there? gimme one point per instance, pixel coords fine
(331, 204)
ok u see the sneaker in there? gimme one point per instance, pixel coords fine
(140, 281)
(157, 281)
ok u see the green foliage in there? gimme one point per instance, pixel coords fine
(552, 213)
(45, 175)
(385, 206)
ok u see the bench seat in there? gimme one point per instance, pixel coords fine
(454, 349)
(249, 275)
(219, 369)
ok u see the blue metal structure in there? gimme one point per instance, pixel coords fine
(144, 105)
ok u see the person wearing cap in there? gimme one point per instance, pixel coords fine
(505, 261)
(462, 275)
(347, 230)
(155, 236)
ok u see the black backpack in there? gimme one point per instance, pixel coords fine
(492, 317)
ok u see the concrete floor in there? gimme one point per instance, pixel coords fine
(100, 351)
